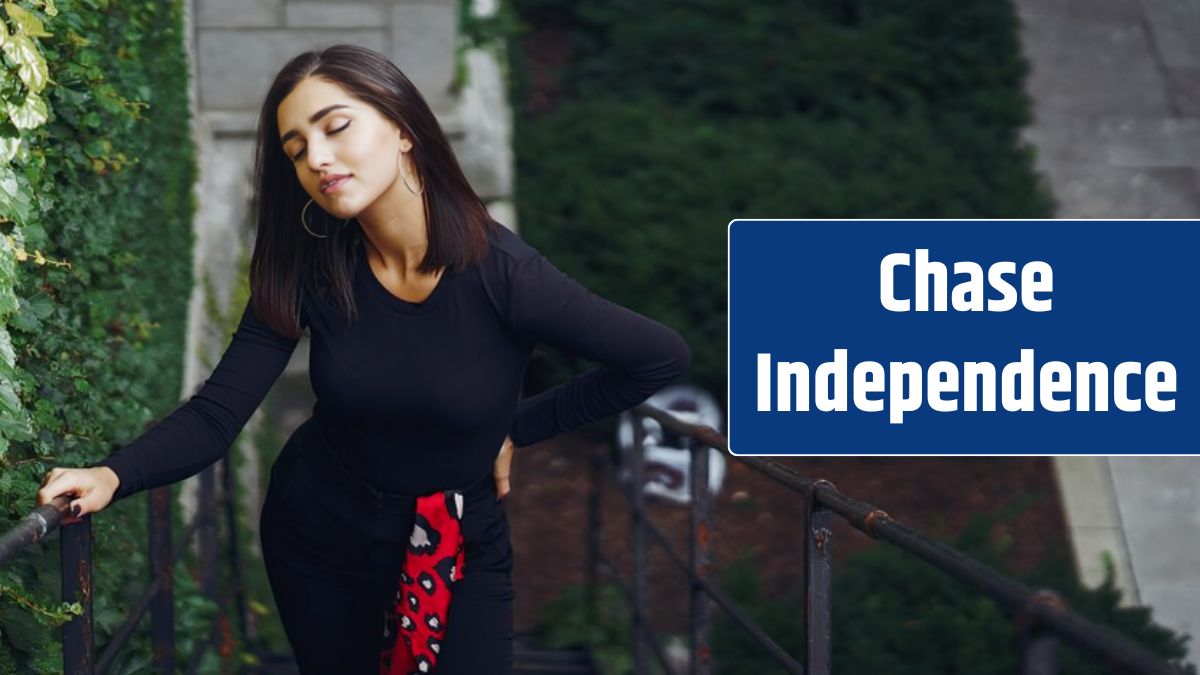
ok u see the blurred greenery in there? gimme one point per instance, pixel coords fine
(565, 623)
(642, 129)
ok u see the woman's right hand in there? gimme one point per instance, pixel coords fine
(92, 488)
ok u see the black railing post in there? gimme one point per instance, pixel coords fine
(638, 541)
(594, 534)
(1039, 646)
(818, 575)
(238, 590)
(1039, 652)
(76, 570)
(206, 503)
(162, 606)
(701, 555)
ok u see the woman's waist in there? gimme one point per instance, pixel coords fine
(386, 471)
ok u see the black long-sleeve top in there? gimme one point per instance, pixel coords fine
(418, 397)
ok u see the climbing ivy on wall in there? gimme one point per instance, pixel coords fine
(97, 165)
(25, 113)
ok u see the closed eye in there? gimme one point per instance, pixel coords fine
(334, 131)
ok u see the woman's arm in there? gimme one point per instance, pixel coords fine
(200, 431)
(638, 355)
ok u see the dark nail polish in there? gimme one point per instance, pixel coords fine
(75, 510)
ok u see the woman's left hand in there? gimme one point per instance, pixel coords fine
(502, 468)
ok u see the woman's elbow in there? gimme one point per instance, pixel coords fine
(675, 359)
(682, 356)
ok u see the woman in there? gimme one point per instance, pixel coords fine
(383, 531)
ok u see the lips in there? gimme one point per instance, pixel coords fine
(333, 183)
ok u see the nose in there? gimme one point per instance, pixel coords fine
(318, 155)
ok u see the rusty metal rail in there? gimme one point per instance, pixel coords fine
(1041, 615)
(77, 582)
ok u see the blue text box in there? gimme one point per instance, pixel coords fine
(1122, 291)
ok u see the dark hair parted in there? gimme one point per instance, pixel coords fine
(286, 259)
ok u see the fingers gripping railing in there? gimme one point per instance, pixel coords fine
(1041, 616)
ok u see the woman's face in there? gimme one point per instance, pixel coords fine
(326, 132)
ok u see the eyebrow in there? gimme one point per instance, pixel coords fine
(312, 120)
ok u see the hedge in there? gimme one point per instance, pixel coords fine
(643, 129)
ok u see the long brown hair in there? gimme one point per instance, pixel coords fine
(286, 259)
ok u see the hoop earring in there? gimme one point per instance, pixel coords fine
(404, 177)
(305, 222)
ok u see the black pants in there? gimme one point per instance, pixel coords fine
(334, 549)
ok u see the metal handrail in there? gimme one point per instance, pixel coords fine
(32, 528)
(157, 598)
(1041, 615)
(737, 613)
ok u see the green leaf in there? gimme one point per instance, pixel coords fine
(40, 305)
(7, 355)
(14, 422)
(32, 113)
(8, 301)
(25, 323)
(9, 145)
(26, 21)
(14, 202)
(8, 183)
(31, 66)
(48, 5)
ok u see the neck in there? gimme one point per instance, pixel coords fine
(394, 230)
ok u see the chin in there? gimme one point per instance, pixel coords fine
(340, 211)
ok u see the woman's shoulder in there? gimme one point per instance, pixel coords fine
(502, 267)
(506, 248)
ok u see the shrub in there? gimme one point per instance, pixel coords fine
(652, 126)
(564, 623)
